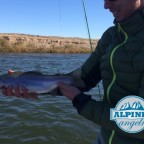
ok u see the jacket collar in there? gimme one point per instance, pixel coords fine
(134, 24)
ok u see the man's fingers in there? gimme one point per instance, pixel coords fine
(17, 92)
(7, 91)
(68, 91)
(24, 92)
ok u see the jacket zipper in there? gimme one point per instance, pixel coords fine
(111, 61)
(113, 72)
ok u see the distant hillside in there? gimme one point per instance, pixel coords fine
(44, 44)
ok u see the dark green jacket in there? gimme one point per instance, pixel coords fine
(119, 62)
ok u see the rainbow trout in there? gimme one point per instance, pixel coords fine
(35, 81)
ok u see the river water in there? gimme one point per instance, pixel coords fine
(48, 120)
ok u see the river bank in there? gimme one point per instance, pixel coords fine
(24, 43)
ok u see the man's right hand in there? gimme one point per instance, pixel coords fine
(18, 91)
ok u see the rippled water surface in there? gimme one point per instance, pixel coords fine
(48, 120)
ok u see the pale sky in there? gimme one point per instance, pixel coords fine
(54, 17)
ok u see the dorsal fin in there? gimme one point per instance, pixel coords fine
(32, 73)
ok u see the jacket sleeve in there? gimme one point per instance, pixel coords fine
(99, 113)
(89, 73)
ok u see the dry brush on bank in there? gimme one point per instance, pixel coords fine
(22, 43)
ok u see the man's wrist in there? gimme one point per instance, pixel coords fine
(80, 101)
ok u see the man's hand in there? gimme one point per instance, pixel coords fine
(20, 92)
(69, 91)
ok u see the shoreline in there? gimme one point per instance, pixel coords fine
(25, 43)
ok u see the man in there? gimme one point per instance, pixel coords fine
(119, 62)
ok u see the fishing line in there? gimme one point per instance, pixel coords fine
(90, 41)
(60, 17)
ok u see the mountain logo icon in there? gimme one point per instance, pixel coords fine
(134, 106)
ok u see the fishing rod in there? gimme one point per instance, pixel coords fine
(86, 19)
(90, 41)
